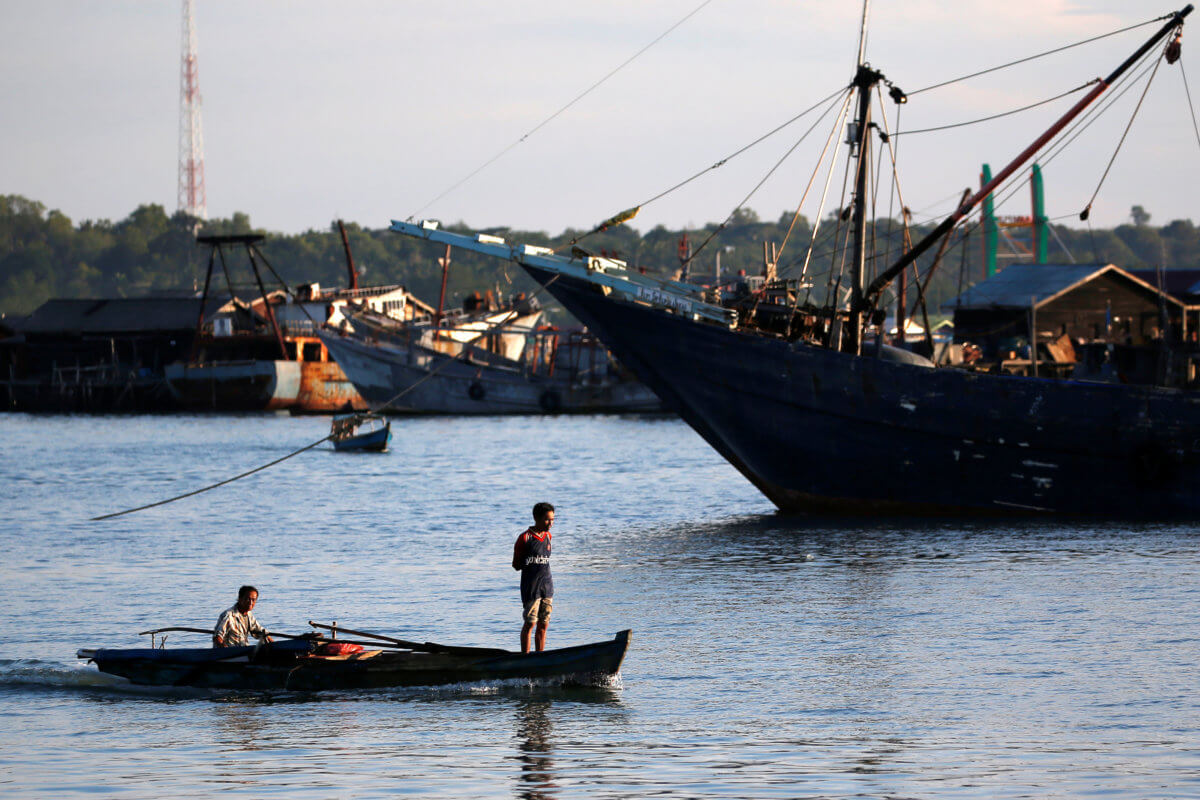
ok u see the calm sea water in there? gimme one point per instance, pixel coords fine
(772, 656)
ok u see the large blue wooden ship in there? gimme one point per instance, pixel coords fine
(821, 418)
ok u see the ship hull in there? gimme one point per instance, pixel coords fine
(433, 383)
(324, 389)
(235, 385)
(818, 430)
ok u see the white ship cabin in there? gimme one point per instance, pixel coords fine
(313, 305)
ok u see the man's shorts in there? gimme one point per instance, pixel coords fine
(538, 609)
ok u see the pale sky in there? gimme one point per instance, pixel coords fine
(367, 109)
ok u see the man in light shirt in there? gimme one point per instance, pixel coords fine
(236, 624)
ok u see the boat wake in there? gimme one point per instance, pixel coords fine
(588, 680)
(35, 675)
(33, 672)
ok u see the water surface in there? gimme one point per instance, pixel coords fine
(772, 656)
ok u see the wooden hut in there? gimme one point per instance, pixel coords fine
(1074, 309)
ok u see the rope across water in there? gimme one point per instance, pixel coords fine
(508, 318)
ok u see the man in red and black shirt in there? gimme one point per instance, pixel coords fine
(531, 555)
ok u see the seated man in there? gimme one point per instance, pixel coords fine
(236, 625)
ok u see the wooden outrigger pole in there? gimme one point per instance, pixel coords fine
(871, 293)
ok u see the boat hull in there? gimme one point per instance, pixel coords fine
(381, 371)
(818, 430)
(371, 442)
(249, 668)
(235, 385)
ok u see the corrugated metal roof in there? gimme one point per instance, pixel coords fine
(115, 315)
(1020, 285)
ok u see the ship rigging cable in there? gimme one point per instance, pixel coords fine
(841, 243)
(894, 193)
(1067, 93)
(789, 122)
(1088, 208)
(550, 118)
(1013, 186)
(631, 212)
(893, 149)
(1077, 129)
(716, 231)
(752, 144)
(796, 216)
(1188, 92)
(812, 242)
(1041, 55)
(1092, 115)
(1006, 192)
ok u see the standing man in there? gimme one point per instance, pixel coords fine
(531, 555)
(236, 625)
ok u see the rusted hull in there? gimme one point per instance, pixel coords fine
(235, 385)
(324, 389)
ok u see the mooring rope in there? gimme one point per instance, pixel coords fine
(449, 360)
(215, 485)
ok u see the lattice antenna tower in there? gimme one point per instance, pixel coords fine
(192, 197)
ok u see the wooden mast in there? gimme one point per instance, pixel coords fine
(865, 79)
(864, 82)
(444, 261)
(349, 256)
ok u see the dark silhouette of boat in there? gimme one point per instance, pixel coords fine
(304, 664)
(364, 433)
(820, 418)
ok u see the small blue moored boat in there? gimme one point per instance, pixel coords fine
(361, 432)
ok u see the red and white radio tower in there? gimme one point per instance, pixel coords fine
(191, 140)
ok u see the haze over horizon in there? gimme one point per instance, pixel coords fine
(369, 110)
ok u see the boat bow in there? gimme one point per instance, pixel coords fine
(610, 276)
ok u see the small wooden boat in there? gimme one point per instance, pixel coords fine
(311, 663)
(359, 432)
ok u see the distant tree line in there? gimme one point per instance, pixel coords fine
(44, 254)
